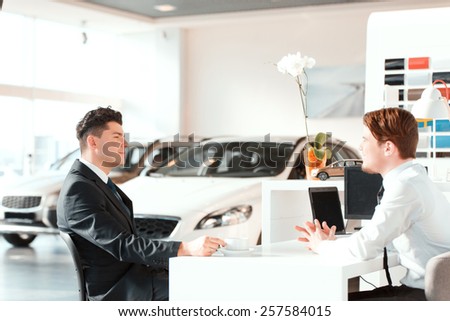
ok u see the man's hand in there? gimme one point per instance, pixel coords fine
(313, 233)
(202, 246)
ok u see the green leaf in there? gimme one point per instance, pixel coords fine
(328, 152)
(320, 139)
(319, 153)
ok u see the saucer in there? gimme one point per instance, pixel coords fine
(236, 253)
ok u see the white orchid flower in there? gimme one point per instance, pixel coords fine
(294, 64)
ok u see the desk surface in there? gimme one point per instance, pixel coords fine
(277, 271)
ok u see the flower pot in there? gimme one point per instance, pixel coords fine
(310, 165)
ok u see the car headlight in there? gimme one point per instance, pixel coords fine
(225, 217)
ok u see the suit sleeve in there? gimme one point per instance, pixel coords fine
(90, 214)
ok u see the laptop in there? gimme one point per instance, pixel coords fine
(326, 206)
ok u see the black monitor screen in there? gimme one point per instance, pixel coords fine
(360, 193)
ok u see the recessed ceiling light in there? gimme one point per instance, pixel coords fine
(165, 7)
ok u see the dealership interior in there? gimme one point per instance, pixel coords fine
(204, 73)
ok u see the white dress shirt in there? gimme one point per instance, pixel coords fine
(413, 217)
(95, 169)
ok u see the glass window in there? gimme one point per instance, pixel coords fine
(12, 148)
(64, 62)
(231, 159)
(16, 53)
(58, 70)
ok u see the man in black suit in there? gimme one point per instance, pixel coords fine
(118, 263)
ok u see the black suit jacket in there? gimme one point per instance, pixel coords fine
(117, 262)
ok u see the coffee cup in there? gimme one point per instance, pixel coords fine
(237, 244)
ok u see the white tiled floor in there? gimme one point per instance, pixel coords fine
(42, 272)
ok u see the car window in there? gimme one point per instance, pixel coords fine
(66, 162)
(230, 159)
(341, 152)
(133, 153)
(160, 156)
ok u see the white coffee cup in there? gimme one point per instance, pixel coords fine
(237, 244)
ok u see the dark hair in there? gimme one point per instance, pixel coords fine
(95, 122)
(396, 125)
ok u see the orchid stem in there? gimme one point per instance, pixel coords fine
(303, 102)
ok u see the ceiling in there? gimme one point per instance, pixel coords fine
(181, 8)
(131, 16)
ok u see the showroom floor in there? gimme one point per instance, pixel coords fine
(42, 272)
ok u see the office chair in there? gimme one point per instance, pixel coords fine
(78, 267)
(437, 280)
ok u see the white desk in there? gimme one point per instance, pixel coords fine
(278, 271)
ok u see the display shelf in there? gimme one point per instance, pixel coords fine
(435, 135)
(434, 138)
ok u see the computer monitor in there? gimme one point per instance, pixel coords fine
(360, 193)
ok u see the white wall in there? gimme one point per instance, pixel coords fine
(233, 87)
(152, 90)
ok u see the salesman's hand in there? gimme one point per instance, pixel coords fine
(313, 233)
(202, 246)
(310, 226)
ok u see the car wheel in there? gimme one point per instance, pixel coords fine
(19, 240)
(323, 176)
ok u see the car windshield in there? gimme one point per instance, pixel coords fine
(133, 154)
(230, 159)
(64, 163)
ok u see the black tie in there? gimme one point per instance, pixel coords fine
(385, 256)
(380, 194)
(112, 186)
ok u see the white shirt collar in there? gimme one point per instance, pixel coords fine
(95, 169)
(392, 175)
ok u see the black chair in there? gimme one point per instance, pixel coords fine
(78, 268)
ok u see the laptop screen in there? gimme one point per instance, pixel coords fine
(326, 206)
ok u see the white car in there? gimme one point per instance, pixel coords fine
(214, 188)
(28, 206)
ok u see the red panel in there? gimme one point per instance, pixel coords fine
(419, 63)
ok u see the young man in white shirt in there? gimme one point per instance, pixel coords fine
(413, 216)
